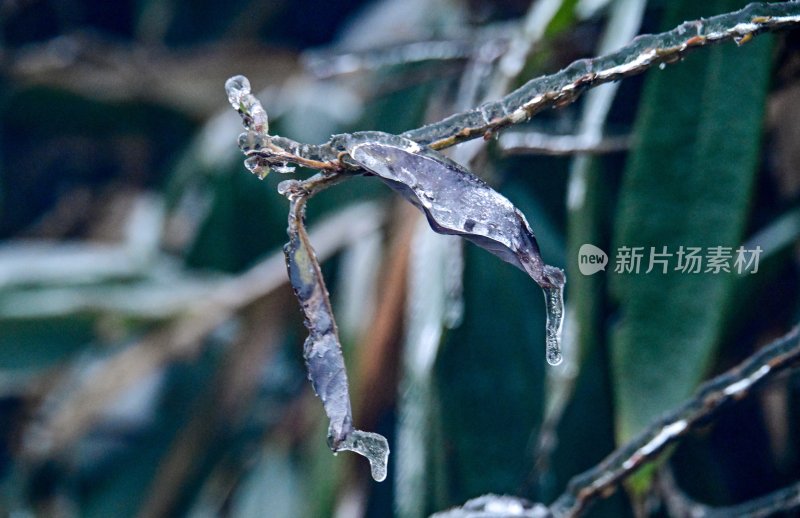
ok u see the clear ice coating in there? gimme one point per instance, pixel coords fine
(256, 166)
(321, 350)
(457, 202)
(254, 116)
(283, 168)
(237, 87)
(373, 446)
(261, 167)
(290, 189)
(255, 119)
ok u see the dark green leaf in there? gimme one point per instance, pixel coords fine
(688, 182)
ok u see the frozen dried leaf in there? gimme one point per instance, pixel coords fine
(322, 350)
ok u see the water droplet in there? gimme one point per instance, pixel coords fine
(554, 306)
(283, 168)
(256, 166)
(290, 188)
(287, 185)
(373, 446)
(237, 87)
(554, 357)
(254, 115)
(662, 66)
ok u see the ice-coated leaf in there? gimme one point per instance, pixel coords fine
(322, 350)
(457, 202)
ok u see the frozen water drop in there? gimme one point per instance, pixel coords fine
(255, 166)
(287, 185)
(290, 188)
(373, 446)
(283, 168)
(253, 114)
(554, 357)
(237, 87)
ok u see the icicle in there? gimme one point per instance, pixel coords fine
(554, 306)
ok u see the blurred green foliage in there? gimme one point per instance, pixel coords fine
(223, 422)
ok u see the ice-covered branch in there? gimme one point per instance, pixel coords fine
(735, 384)
(643, 52)
(555, 90)
(601, 480)
(337, 159)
